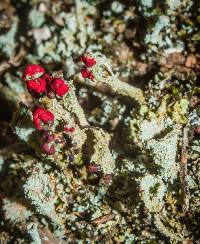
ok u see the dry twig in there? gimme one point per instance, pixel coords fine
(103, 219)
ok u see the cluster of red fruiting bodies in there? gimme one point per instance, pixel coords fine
(89, 63)
(39, 83)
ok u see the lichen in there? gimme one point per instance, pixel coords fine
(36, 21)
(39, 190)
(7, 41)
(15, 212)
(1, 163)
(33, 233)
(153, 192)
(106, 143)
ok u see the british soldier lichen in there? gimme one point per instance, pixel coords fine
(107, 118)
(62, 129)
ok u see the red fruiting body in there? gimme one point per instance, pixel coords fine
(88, 61)
(94, 168)
(108, 178)
(69, 129)
(59, 87)
(87, 74)
(48, 149)
(37, 86)
(51, 95)
(48, 78)
(32, 72)
(91, 75)
(48, 136)
(44, 116)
